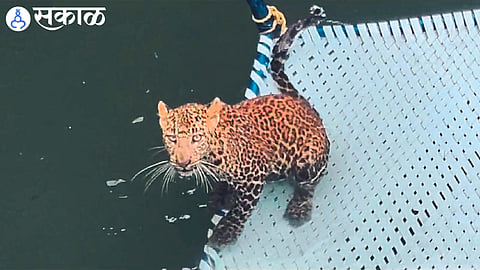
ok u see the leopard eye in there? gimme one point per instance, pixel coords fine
(197, 137)
(172, 138)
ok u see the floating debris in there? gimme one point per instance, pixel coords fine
(202, 206)
(170, 219)
(138, 120)
(147, 91)
(84, 82)
(155, 54)
(189, 192)
(123, 197)
(113, 231)
(174, 219)
(184, 217)
(112, 183)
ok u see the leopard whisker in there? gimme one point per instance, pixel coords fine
(197, 176)
(169, 175)
(203, 178)
(211, 173)
(148, 184)
(208, 182)
(156, 153)
(160, 148)
(164, 181)
(147, 168)
(172, 177)
(211, 166)
(205, 171)
(151, 172)
(155, 174)
(155, 171)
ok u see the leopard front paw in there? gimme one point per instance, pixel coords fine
(298, 212)
(223, 236)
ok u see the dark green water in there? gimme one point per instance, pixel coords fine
(67, 102)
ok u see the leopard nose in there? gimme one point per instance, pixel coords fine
(183, 163)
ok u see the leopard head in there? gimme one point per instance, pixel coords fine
(186, 133)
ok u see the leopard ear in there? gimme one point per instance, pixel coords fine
(213, 114)
(162, 113)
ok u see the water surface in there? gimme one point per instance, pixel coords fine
(67, 102)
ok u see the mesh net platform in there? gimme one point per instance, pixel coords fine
(399, 102)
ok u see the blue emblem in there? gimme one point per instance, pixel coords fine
(17, 20)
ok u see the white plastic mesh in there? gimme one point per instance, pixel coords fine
(403, 185)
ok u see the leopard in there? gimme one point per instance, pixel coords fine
(245, 145)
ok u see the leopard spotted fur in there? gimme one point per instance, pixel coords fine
(244, 145)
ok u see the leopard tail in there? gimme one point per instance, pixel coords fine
(281, 49)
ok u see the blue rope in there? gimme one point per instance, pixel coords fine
(259, 10)
(210, 259)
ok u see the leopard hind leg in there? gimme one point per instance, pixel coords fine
(299, 209)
